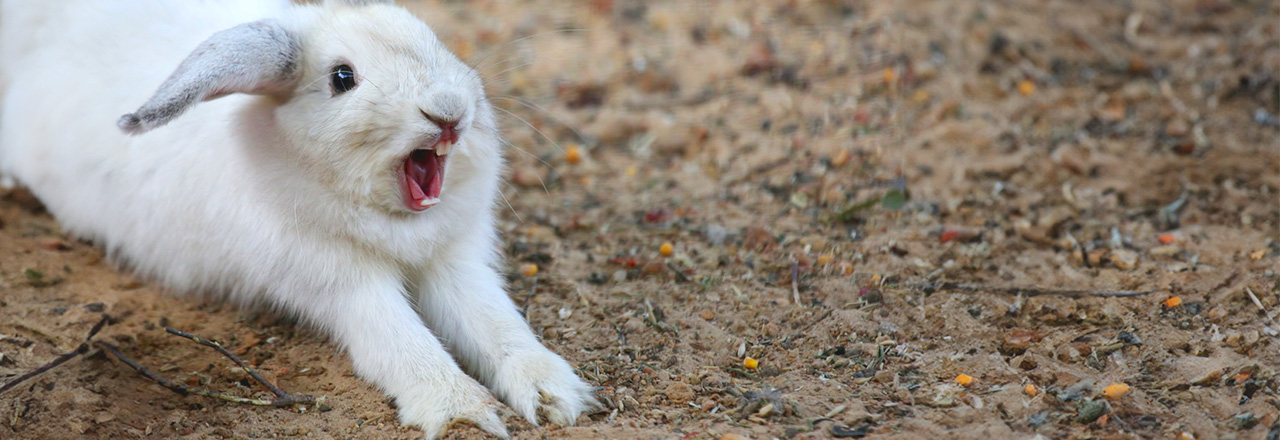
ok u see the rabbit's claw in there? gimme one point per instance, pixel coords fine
(465, 400)
(543, 382)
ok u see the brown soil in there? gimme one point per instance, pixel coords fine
(873, 149)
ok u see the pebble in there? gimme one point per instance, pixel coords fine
(1090, 410)
(680, 392)
(1124, 259)
(1017, 341)
(1166, 251)
(717, 234)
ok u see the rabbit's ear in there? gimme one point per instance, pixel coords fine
(357, 2)
(261, 57)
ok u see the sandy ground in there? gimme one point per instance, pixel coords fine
(868, 198)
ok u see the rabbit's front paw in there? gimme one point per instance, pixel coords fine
(436, 408)
(542, 380)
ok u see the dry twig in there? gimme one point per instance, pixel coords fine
(82, 349)
(1031, 291)
(1258, 303)
(795, 283)
(282, 398)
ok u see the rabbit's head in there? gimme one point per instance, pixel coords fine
(362, 94)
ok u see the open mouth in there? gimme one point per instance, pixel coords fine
(423, 176)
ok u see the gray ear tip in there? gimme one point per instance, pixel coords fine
(131, 124)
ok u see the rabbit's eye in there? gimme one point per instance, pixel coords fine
(343, 79)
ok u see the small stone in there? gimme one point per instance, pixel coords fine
(1245, 421)
(1095, 257)
(103, 417)
(1234, 340)
(236, 374)
(772, 329)
(945, 397)
(1124, 259)
(707, 315)
(1251, 336)
(1129, 338)
(1017, 341)
(1089, 410)
(717, 234)
(873, 296)
(679, 392)
(1168, 251)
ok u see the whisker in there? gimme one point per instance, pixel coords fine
(492, 51)
(513, 68)
(526, 122)
(534, 106)
(535, 157)
(512, 208)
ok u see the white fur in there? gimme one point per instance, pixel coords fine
(288, 200)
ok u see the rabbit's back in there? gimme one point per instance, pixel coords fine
(72, 67)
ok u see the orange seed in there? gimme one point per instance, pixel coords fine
(573, 155)
(1116, 390)
(1026, 88)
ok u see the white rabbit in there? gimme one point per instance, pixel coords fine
(288, 161)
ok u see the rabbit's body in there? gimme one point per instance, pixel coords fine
(287, 197)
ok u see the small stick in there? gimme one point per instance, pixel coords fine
(654, 321)
(1258, 303)
(185, 390)
(282, 398)
(82, 349)
(524, 309)
(795, 283)
(1034, 291)
(216, 346)
(679, 273)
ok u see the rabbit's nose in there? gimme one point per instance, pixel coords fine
(448, 128)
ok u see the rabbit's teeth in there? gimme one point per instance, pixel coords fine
(429, 202)
(442, 148)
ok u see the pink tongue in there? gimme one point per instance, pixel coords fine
(424, 170)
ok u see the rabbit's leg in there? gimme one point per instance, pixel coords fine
(390, 346)
(462, 299)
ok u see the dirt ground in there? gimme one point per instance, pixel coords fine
(869, 199)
